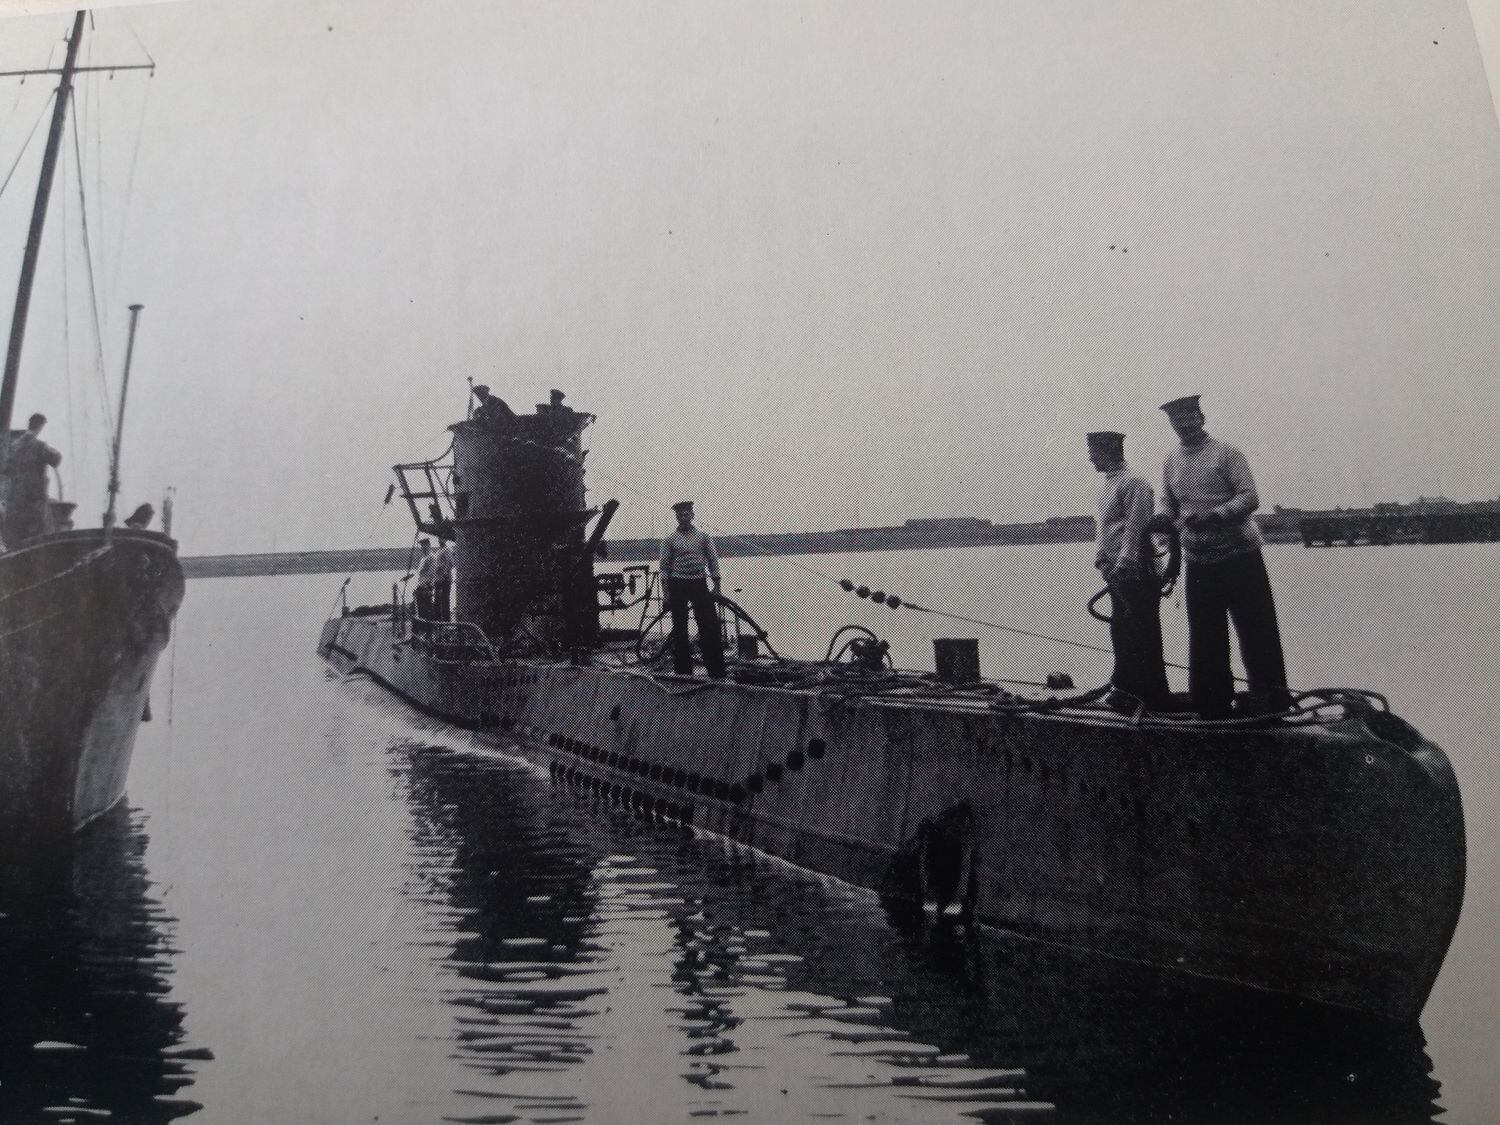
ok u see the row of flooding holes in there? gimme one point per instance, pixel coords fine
(657, 806)
(683, 779)
(795, 759)
(1101, 793)
(640, 802)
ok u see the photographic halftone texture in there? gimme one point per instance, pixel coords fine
(818, 266)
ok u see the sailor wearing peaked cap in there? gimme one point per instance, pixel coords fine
(1179, 405)
(1106, 439)
(1126, 557)
(688, 561)
(1208, 490)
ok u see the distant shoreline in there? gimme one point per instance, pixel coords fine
(620, 551)
(911, 536)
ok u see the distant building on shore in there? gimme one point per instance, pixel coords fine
(1428, 519)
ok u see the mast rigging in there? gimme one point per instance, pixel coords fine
(34, 240)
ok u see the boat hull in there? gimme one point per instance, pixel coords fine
(82, 622)
(1321, 861)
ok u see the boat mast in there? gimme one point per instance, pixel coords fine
(34, 241)
(114, 461)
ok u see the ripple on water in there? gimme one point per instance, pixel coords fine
(600, 966)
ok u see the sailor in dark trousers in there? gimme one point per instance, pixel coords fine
(1126, 557)
(1208, 490)
(688, 562)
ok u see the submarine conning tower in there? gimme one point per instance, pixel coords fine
(519, 513)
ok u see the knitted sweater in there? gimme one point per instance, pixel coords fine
(689, 554)
(1214, 478)
(1124, 510)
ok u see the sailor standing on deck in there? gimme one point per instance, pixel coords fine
(687, 555)
(25, 484)
(427, 570)
(1208, 490)
(1126, 557)
(442, 584)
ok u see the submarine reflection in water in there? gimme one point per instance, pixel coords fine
(86, 1029)
(577, 930)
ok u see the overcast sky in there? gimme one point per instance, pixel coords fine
(812, 264)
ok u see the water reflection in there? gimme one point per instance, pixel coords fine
(594, 961)
(510, 893)
(1112, 1042)
(86, 1029)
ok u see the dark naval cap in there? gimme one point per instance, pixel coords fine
(683, 506)
(481, 389)
(1177, 405)
(1106, 439)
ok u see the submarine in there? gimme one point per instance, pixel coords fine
(1317, 853)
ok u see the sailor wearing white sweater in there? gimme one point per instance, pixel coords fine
(1126, 557)
(1208, 490)
(688, 561)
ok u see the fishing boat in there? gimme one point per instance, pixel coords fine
(84, 612)
(1318, 852)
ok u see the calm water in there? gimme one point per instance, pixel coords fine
(322, 907)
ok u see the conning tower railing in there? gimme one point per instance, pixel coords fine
(449, 642)
(427, 487)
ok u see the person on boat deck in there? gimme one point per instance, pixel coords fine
(556, 409)
(140, 519)
(26, 482)
(1126, 557)
(427, 569)
(689, 562)
(442, 584)
(1209, 492)
(491, 410)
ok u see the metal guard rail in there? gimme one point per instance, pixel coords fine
(463, 637)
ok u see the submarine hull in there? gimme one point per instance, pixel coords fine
(1324, 861)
